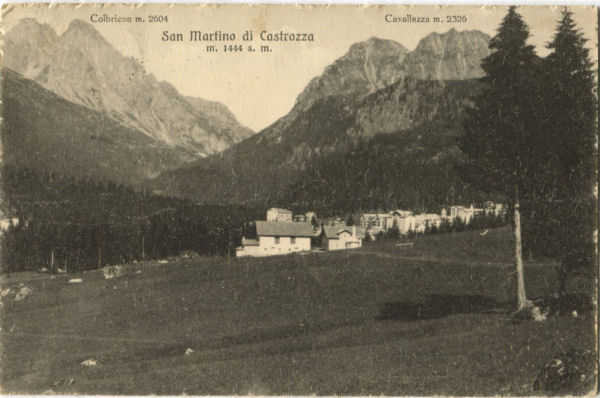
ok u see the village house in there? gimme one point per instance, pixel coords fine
(465, 214)
(404, 220)
(432, 220)
(375, 223)
(336, 222)
(279, 215)
(277, 237)
(342, 237)
(308, 217)
(496, 209)
(419, 223)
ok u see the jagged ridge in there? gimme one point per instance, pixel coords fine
(367, 92)
(84, 68)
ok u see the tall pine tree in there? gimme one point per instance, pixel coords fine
(498, 140)
(562, 216)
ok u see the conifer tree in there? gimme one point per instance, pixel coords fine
(497, 141)
(562, 219)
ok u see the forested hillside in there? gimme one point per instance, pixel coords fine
(403, 137)
(414, 169)
(89, 224)
(377, 87)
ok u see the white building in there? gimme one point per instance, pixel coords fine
(279, 215)
(465, 214)
(274, 238)
(336, 222)
(461, 213)
(492, 208)
(339, 238)
(310, 215)
(6, 223)
(419, 223)
(404, 220)
(374, 223)
(433, 220)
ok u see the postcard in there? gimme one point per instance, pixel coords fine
(298, 200)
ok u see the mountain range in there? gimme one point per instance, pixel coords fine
(373, 64)
(85, 69)
(73, 104)
(377, 87)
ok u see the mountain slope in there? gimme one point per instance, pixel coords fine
(367, 92)
(367, 67)
(376, 63)
(268, 166)
(42, 131)
(82, 67)
(410, 103)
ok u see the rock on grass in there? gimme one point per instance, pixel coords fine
(570, 373)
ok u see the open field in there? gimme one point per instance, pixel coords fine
(379, 320)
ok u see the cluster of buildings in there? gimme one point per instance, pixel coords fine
(284, 233)
(407, 222)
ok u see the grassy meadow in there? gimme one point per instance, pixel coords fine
(432, 318)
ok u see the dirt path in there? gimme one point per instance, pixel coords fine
(441, 260)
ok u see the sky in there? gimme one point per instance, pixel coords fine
(260, 87)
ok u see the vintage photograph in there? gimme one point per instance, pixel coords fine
(298, 200)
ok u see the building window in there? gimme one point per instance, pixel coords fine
(277, 240)
(293, 240)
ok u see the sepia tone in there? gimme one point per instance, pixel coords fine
(298, 200)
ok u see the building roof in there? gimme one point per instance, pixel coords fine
(249, 242)
(402, 213)
(279, 210)
(274, 228)
(375, 215)
(333, 232)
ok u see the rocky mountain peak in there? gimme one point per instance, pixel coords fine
(454, 55)
(453, 39)
(375, 63)
(82, 34)
(30, 25)
(79, 25)
(366, 67)
(377, 46)
(28, 47)
(82, 67)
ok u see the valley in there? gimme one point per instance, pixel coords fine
(412, 212)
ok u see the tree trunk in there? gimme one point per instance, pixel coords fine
(521, 296)
(144, 246)
(99, 255)
(52, 260)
